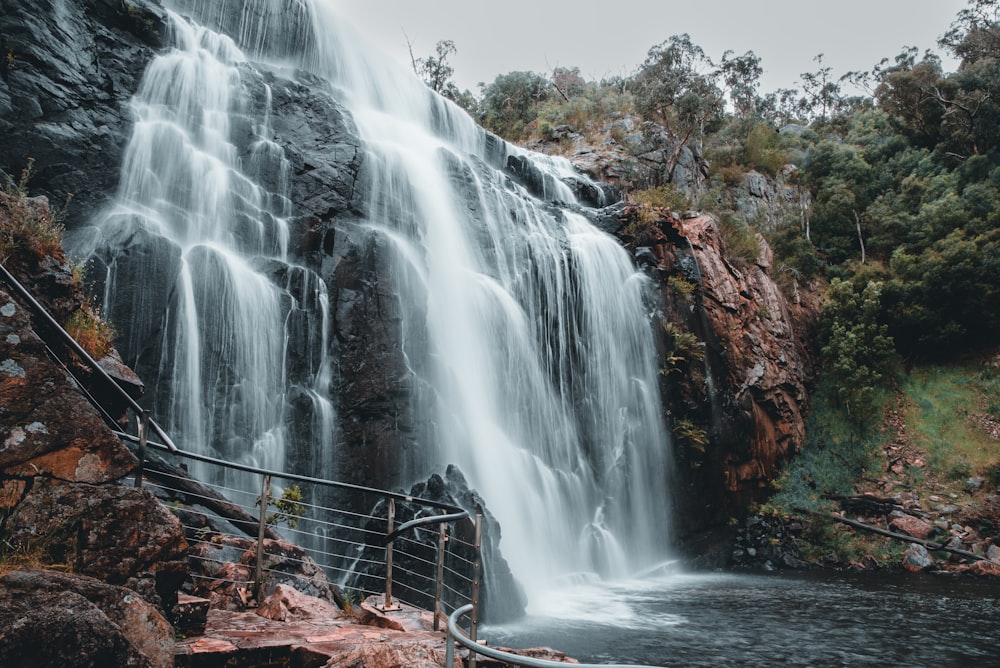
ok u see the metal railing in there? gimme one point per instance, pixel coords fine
(142, 415)
(474, 647)
(430, 571)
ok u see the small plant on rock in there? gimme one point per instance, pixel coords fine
(25, 223)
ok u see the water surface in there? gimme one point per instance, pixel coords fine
(724, 619)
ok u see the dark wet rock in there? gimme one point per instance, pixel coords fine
(64, 619)
(503, 598)
(118, 534)
(66, 87)
(767, 542)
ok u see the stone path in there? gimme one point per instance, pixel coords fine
(368, 637)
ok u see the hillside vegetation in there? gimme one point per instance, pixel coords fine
(899, 174)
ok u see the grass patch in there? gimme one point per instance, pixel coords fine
(945, 402)
(836, 455)
(27, 226)
(91, 331)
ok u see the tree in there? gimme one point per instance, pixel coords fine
(511, 102)
(821, 93)
(741, 75)
(780, 107)
(568, 82)
(975, 34)
(858, 352)
(842, 184)
(908, 92)
(672, 89)
(437, 72)
(670, 78)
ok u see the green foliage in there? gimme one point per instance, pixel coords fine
(833, 457)
(941, 414)
(684, 349)
(763, 151)
(691, 439)
(511, 103)
(741, 242)
(946, 293)
(682, 288)
(858, 354)
(795, 256)
(288, 508)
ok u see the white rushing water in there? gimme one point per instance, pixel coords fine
(524, 328)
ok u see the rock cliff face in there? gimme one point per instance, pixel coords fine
(736, 361)
(67, 73)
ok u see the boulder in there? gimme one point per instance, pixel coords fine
(287, 603)
(911, 526)
(917, 559)
(223, 566)
(119, 534)
(64, 619)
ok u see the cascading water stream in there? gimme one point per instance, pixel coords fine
(529, 337)
(196, 246)
(524, 328)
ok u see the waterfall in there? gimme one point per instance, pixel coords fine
(526, 338)
(196, 245)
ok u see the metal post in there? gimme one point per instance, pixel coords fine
(387, 603)
(439, 582)
(143, 435)
(449, 649)
(258, 576)
(477, 568)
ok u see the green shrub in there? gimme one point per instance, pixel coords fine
(91, 331)
(664, 197)
(742, 246)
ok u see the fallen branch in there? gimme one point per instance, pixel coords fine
(929, 544)
(869, 503)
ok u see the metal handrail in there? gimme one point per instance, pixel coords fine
(455, 633)
(246, 468)
(430, 519)
(83, 354)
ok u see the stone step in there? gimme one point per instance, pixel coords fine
(190, 615)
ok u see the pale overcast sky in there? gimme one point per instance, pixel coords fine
(611, 37)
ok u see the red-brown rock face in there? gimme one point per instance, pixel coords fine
(66, 496)
(736, 363)
(763, 340)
